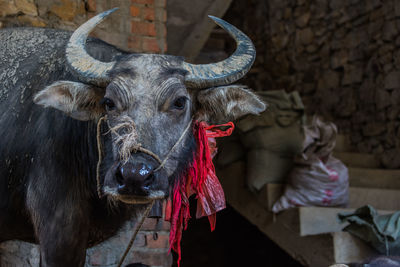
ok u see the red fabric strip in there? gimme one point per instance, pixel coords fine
(200, 180)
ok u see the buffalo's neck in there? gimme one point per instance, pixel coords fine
(77, 155)
(107, 216)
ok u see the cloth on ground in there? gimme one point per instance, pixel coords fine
(380, 231)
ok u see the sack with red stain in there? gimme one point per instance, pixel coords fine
(200, 180)
(318, 179)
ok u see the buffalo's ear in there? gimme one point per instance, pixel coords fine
(226, 103)
(78, 100)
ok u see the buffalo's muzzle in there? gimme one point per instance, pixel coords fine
(134, 178)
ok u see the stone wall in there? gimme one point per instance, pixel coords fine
(139, 26)
(342, 55)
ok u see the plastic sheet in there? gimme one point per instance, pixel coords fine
(318, 179)
(201, 181)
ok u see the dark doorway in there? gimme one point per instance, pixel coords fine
(235, 242)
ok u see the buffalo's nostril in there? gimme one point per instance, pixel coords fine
(134, 178)
(119, 177)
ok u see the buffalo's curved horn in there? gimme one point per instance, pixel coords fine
(87, 68)
(228, 70)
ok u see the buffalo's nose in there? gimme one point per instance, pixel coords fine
(134, 178)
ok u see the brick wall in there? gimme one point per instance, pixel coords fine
(138, 26)
(148, 26)
(150, 246)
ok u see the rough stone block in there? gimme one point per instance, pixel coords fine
(67, 10)
(389, 30)
(303, 20)
(8, 8)
(352, 74)
(329, 80)
(383, 99)
(392, 80)
(374, 128)
(305, 36)
(339, 59)
(27, 7)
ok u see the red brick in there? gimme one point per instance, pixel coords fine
(143, 28)
(150, 45)
(160, 3)
(135, 11)
(140, 241)
(147, 2)
(91, 5)
(89, 16)
(135, 43)
(149, 257)
(151, 224)
(148, 13)
(157, 240)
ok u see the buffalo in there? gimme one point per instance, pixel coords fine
(68, 100)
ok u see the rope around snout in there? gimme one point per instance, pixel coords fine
(100, 152)
(146, 151)
(146, 212)
(136, 148)
(175, 146)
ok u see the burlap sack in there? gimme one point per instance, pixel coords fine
(273, 138)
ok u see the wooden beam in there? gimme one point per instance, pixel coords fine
(374, 178)
(200, 33)
(323, 220)
(361, 160)
(380, 199)
(348, 248)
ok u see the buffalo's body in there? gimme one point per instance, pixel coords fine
(56, 88)
(47, 159)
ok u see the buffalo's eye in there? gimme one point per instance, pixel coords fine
(180, 103)
(108, 103)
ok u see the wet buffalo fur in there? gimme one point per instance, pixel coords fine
(48, 160)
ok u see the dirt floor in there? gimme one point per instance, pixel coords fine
(235, 242)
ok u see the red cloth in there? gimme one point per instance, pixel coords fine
(200, 180)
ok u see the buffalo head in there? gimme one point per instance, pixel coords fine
(149, 102)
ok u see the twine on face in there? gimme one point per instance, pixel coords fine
(175, 146)
(126, 138)
(100, 152)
